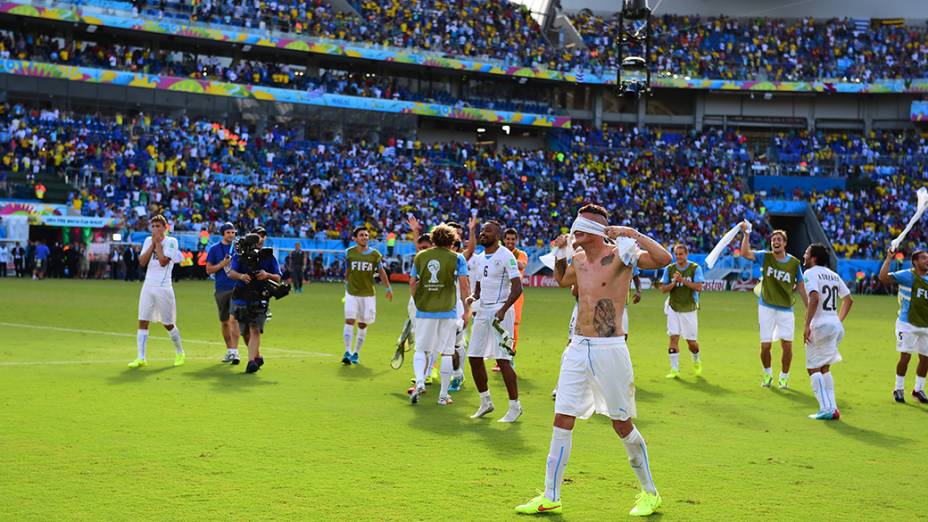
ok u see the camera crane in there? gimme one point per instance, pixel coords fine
(634, 72)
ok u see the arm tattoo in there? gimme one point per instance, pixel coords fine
(608, 259)
(560, 268)
(604, 318)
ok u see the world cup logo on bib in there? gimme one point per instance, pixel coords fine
(434, 266)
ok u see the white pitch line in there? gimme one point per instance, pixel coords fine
(166, 339)
(114, 361)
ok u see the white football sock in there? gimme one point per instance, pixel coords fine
(900, 382)
(818, 388)
(674, 360)
(141, 338)
(557, 462)
(349, 331)
(515, 404)
(769, 371)
(485, 397)
(420, 364)
(919, 383)
(174, 334)
(695, 356)
(359, 340)
(638, 458)
(447, 368)
(830, 390)
(784, 375)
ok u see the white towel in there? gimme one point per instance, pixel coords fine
(713, 256)
(922, 197)
(628, 247)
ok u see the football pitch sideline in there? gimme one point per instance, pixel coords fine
(83, 437)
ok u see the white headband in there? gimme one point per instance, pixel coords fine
(582, 224)
(628, 248)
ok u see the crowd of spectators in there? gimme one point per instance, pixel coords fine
(716, 47)
(494, 29)
(675, 185)
(768, 48)
(39, 47)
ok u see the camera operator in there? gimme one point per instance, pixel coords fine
(250, 310)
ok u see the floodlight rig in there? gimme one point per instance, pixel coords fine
(631, 68)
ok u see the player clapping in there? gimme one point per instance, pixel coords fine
(156, 301)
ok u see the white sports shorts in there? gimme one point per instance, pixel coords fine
(435, 336)
(362, 309)
(775, 325)
(911, 339)
(684, 324)
(157, 304)
(823, 350)
(596, 376)
(484, 342)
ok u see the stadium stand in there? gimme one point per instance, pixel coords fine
(770, 48)
(720, 48)
(46, 48)
(200, 173)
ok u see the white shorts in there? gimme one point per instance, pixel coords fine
(823, 350)
(484, 341)
(157, 304)
(911, 339)
(362, 309)
(435, 336)
(684, 324)
(596, 376)
(775, 325)
(573, 324)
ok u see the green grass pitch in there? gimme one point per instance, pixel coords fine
(84, 438)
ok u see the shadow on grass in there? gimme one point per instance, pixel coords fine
(704, 386)
(131, 375)
(645, 395)
(454, 422)
(794, 396)
(871, 437)
(357, 372)
(232, 378)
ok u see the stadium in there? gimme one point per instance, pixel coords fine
(463, 260)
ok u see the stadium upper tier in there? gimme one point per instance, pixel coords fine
(793, 50)
(52, 49)
(495, 37)
(767, 48)
(689, 186)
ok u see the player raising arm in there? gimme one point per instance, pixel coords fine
(781, 275)
(596, 373)
(912, 324)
